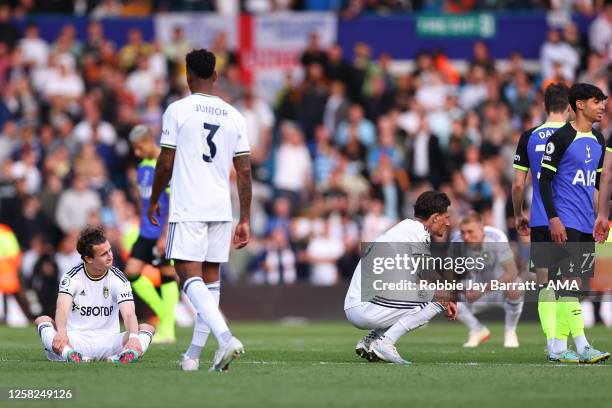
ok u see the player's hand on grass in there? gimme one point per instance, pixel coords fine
(242, 234)
(451, 310)
(134, 344)
(601, 229)
(557, 231)
(59, 342)
(522, 225)
(152, 212)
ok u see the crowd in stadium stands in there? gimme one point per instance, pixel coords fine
(347, 8)
(339, 157)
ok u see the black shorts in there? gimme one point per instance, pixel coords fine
(580, 258)
(144, 250)
(540, 257)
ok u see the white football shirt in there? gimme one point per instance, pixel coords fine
(410, 231)
(495, 250)
(95, 302)
(207, 134)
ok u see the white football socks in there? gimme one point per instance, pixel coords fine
(207, 308)
(465, 316)
(513, 310)
(412, 321)
(200, 329)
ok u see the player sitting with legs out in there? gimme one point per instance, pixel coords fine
(202, 137)
(91, 295)
(571, 168)
(492, 245)
(389, 319)
(150, 246)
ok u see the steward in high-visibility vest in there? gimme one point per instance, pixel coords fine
(10, 259)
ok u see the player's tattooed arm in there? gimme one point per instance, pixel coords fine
(242, 164)
(163, 174)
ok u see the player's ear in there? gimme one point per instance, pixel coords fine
(214, 76)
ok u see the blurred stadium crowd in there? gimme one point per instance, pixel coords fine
(339, 157)
(346, 8)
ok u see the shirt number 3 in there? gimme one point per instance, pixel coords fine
(210, 149)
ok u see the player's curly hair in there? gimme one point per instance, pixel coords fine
(90, 236)
(201, 63)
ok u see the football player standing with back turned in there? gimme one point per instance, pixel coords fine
(528, 158)
(571, 167)
(201, 136)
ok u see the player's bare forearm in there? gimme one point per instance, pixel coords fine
(64, 301)
(242, 164)
(163, 173)
(510, 272)
(603, 207)
(128, 312)
(518, 189)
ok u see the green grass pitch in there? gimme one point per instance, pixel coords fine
(314, 365)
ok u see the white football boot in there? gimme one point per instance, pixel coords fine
(477, 337)
(224, 356)
(386, 351)
(511, 339)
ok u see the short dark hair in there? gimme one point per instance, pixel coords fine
(201, 63)
(583, 92)
(89, 237)
(556, 98)
(430, 202)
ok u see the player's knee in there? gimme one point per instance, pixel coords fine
(146, 327)
(514, 294)
(42, 319)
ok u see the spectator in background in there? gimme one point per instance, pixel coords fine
(314, 54)
(141, 82)
(293, 166)
(259, 120)
(424, 158)
(135, 48)
(336, 107)
(312, 104)
(176, 49)
(279, 263)
(600, 33)
(323, 253)
(34, 49)
(93, 128)
(225, 57)
(481, 57)
(556, 51)
(337, 68)
(66, 255)
(474, 92)
(75, 206)
(356, 126)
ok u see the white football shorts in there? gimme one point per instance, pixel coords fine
(199, 241)
(97, 345)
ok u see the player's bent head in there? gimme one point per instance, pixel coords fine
(556, 98)
(94, 248)
(201, 65)
(586, 97)
(142, 141)
(472, 228)
(432, 208)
